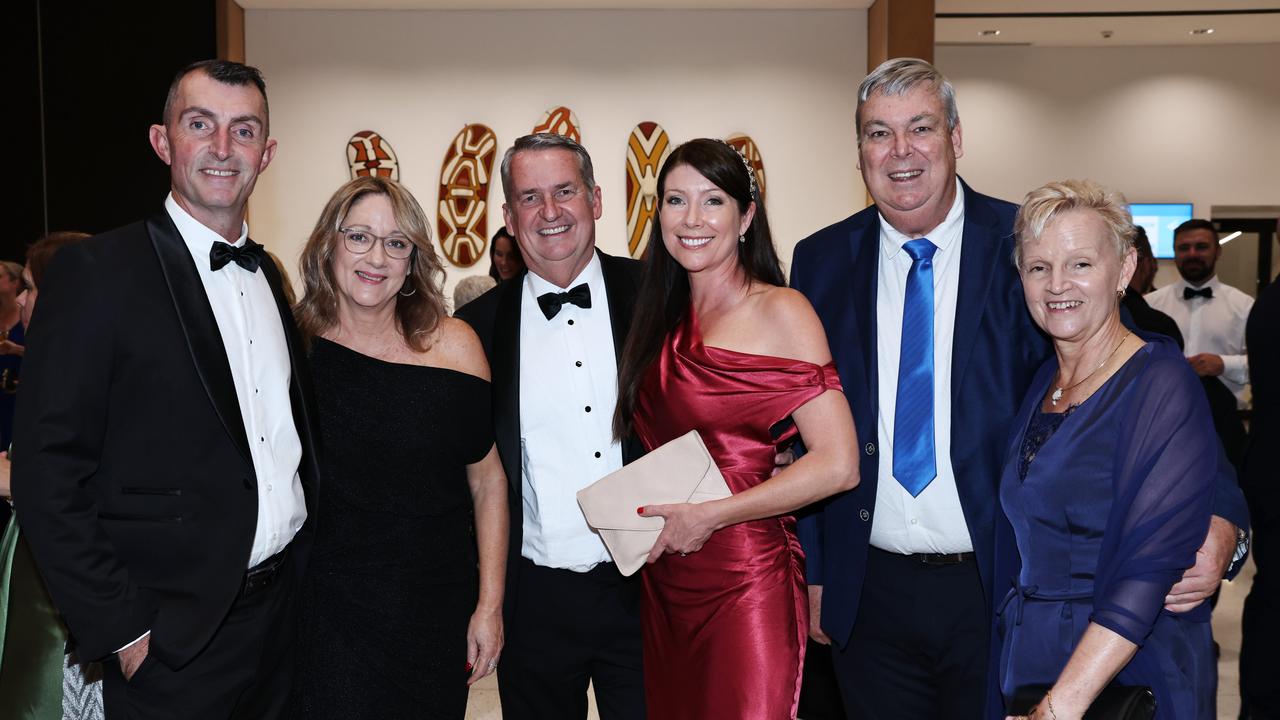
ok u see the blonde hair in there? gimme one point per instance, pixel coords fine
(420, 312)
(1049, 202)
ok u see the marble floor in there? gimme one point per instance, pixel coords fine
(483, 704)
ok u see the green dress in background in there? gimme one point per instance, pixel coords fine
(32, 638)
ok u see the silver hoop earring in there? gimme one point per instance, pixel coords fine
(412, 290)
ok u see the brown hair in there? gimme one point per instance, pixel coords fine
(420, 312)
(40, 252)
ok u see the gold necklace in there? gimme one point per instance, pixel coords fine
(1058, 393)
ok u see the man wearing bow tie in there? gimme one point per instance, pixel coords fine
(163, 460)
(552, 337)
(1210, 314)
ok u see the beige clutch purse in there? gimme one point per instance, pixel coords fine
(677, 472)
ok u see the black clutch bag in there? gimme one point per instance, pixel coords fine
(1116, 702)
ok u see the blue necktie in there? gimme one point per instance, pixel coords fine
(913, 453)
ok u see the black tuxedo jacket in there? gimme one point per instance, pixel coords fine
(495, 316)
(132, 468)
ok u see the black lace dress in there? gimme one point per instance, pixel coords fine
(392, 580)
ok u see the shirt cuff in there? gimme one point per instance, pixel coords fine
(135, 642)
(1236, 368)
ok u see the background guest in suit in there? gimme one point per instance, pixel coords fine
(1260, 623)
(552, 340)
(935, 350)
(729, 352)
(1109, 480)
(37, 680)
(169, 447)
(505, 261)
(1210, 314)
(1145, 316)
(393, 605)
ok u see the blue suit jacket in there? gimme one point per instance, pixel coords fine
(996, 351)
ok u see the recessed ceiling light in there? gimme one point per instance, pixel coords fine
(989, 33)
(1202, 31)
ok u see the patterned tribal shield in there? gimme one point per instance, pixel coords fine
(745, 145)
(368, 154)
(561, 121)
(462, 220)
(647, 148)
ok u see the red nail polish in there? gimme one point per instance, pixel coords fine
(640, 510)
(468, 667)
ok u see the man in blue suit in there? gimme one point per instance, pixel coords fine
(926, 319)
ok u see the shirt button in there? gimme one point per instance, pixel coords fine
(578, 364)
(570, 322)
(256, 391)
(588, 408)
(597, 454)
(870, 448)
(261, 439)
(914, 521)
(250, 341)
(864, 515)
(271, 487)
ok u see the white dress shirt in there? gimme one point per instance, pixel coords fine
(253, 337)
(932, 522)
(568, 391)
(1211, 325)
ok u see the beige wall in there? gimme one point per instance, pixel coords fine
(1199, 124)
(416, 77)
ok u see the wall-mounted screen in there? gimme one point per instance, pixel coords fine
(1159, 220)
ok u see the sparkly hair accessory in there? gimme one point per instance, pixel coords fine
(751, 173)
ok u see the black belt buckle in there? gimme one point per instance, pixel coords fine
(260, 576)
(942, 558)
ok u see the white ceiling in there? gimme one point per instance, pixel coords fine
(1008, 16)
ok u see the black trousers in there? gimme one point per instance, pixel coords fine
(920, 642)
(569, 629)
(246, 671)
(1260, 626)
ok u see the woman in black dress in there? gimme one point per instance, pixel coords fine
(404, 587)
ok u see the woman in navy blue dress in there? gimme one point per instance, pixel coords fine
(1109, 479)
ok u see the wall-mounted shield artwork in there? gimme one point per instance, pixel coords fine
(462, 218)
(368, 154)
(647, 148)
(745, 145)
(561, 121)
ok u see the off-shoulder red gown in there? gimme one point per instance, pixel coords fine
(725, 627)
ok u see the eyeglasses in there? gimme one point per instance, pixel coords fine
(360, 242)
(561, 196)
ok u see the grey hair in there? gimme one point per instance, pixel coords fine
(1049, 202)
(549, 141)
(900, 76)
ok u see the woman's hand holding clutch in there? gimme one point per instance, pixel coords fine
(688, 525)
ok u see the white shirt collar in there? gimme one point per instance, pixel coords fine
(591, 274)
(198, 237)
(941, 236)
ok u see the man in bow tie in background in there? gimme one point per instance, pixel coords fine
(552, 337)
(164, 447)
(1210, 314)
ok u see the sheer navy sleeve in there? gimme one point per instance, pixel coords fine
(1164, 479)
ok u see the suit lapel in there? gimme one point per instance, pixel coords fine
(299, 385)
(622, 297)
(864, 247)
(506, 375)
(199, 327)
(977, 265)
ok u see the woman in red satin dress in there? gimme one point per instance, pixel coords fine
(722, 347)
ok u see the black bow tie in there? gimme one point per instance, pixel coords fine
(1204, 292)
(248, 257)
(551, 302)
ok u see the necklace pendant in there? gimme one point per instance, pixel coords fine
(1055, 397)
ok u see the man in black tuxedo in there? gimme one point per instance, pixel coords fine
(553, 337)
(163, 448)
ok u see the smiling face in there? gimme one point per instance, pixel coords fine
(908, 158)
(216, 144)
(552, 214)
(700, 222)
(370, 279)
(1071, 275)
(505, 258)
(1195, 252)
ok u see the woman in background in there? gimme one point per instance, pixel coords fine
(11, 345)
(505, 261)
(38, 679)
(1109, 482)
(727, 350)
(402, 592)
